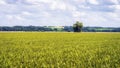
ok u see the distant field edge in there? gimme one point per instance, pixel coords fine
(49, 32)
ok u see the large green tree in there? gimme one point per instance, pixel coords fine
(77, 27)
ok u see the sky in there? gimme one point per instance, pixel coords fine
(103, 13)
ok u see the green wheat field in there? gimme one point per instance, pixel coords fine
(59, 50)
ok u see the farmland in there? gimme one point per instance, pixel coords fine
(59, 50)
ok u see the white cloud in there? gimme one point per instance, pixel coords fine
(95, 19)
(2, 2)
(80, 1)
(14, 17)
(19, 18)
(26, 13)
(37, 2)
(84, 7)
(94, 2)
(46, 14)
(78, 14)
(58, 5)
(113, 15)
(53, 4)
(115, 1)
(116, 7)
(57, 11)
(9, 17)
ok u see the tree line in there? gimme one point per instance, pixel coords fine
(77, 27)
(53, 28)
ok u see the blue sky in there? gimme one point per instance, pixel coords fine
(105, 13)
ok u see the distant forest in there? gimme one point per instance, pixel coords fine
(58, 28)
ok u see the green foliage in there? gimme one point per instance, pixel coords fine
(58, 28)
(59, 50)
(78, 26)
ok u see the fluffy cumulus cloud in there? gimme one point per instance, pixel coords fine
(60, 12)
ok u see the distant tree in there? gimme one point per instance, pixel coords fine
(55, 29)
(77, 27)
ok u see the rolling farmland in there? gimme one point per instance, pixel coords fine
(59, 50)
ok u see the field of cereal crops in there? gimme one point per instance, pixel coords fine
(59, 50)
